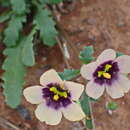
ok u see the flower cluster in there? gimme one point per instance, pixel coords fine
(56, 97)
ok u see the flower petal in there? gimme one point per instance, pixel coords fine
(73, 112)
(106, 55)
(124, 63)
(94, 90)
(88, 70)
(75, 89)
(33, 94)
(49, 77)
(48, 114)
(124, 83)
(115, 90)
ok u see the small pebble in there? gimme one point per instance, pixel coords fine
(24, 113)
(120, 23)
(91, 21)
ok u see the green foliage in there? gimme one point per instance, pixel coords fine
(46, 25)
(51, 1)
(112, 105)
(13, 29)
(119, 54)
(86, 55)
(55, 1)
(13, 76)
(5, 3)
(28, 58)
(19, 48)
(19, 6)
(85, 106)
(5, 16)
(14, 67)
(69, 74)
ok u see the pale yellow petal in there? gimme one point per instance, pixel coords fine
(124, 83)
(73, 112)
(75, 89)
(124, 63)
(48, 115)
(94, 90)
(106, 55)
(115, 90)
(33, 94)
(50, 76)
(88, 70)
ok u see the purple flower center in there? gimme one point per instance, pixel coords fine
(56, 96)
(106, 73)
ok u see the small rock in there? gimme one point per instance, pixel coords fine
(91, 21)
(24, 113)
(91, 37)
(120, 23)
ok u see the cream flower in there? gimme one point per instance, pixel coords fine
(54, 98)
(109, 72)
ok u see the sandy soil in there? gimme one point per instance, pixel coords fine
(101, 23)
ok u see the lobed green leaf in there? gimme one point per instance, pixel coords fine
(69, 74)
(13, 76)
(86, 55)
(46, 25)
(50, 1)
(19, 6)
(13, 29)
(28, 58)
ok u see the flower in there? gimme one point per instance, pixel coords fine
(109, 72)
(54, 98)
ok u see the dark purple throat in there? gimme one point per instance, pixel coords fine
(56, 96)
(112, 72)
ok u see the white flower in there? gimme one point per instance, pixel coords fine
(109, 72)
(54, 98)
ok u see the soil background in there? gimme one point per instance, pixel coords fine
(101, 23)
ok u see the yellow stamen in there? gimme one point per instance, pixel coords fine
(56, 97)
(107, 75)
(53, 89)
(65, 94)
(100, 73)
(107, 67)
(58, 93)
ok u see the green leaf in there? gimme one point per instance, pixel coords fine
(5, 16)
(85, 106)
(28, 58)
(119, 54)
(55, 1)
(46, 25)
(69, 74)
(5, 3)
(50, 1)
(86, 56)
(13, 76)
(12, 31)
(112, 105)
(19, 6)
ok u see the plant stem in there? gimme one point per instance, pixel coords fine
(92, 115)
